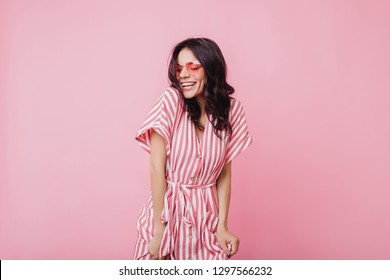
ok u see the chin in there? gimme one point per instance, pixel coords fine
(188, 95)
(191, 94)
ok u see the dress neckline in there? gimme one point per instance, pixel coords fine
(200, 140)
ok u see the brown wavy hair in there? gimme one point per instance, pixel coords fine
(217, 91)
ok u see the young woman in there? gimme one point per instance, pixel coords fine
(192, 133)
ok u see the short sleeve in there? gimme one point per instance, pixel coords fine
(161, 118)
(240, 138)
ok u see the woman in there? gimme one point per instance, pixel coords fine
(192, 133)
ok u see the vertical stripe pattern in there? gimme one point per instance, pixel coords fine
(192, 169)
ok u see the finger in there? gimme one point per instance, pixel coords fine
(224, 247)
(148, 247)
(154, 256)
(235, 244)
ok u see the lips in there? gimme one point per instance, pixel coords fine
(187, 85)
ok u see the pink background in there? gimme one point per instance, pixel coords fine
(77, 79)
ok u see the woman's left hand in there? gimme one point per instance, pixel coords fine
(226, 238)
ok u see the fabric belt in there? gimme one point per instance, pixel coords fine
(178, 207)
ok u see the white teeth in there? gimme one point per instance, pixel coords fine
(187, 84)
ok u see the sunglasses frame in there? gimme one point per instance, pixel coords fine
(188, 67)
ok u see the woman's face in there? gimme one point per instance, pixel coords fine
(190, 74)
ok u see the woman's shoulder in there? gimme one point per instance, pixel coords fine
(235, 106)
(171, 103)
(171, 94)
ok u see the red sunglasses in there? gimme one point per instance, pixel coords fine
(192, 67)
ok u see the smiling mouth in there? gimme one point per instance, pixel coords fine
(187, 84)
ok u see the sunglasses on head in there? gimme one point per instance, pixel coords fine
(192, 67)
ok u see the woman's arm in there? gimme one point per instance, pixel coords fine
(223, 188)
(223, 235)
(158, 156)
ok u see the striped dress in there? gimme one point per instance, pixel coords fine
(192, 169)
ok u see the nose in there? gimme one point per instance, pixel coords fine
(184, 73)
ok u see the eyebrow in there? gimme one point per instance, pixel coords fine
(193, 62)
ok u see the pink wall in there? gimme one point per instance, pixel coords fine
(78, 77)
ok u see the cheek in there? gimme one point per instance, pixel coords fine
(202, 77)
(202, 85)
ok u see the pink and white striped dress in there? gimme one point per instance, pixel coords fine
(192, 169)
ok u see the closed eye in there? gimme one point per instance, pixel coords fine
(195, 67)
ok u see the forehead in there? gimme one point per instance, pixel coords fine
(185, 55)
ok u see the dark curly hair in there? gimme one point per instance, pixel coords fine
(217, 91)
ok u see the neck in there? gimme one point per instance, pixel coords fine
(202, 104)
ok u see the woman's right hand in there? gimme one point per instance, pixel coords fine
(155, 243)
(154, 247)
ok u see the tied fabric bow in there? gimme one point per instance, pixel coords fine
(178, 207)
